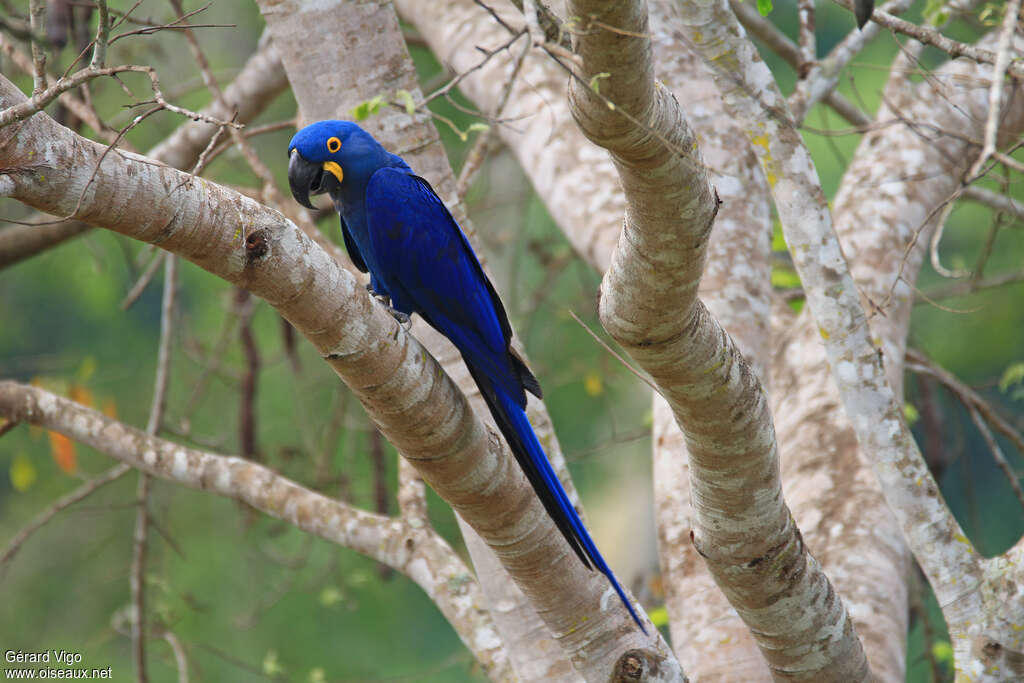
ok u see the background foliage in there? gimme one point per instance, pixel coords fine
(254, 599)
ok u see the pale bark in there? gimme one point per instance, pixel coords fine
(582, 192)
(937, 541)
(586, 200)
(415, 550)
(834, 497)
(823, 77)
(648, 304)
(406, 393)
(887, 203)
(372, 39)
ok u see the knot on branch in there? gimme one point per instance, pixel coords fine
(637, 665)
(257, 245)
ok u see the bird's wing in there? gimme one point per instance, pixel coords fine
(429, 268)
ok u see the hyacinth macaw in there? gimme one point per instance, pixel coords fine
(398, 229)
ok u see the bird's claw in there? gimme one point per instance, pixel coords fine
(404, 319)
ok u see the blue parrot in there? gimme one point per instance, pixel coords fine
(398, 229)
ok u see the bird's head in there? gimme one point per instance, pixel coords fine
(328, 155)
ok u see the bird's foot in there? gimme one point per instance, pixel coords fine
(404, 319)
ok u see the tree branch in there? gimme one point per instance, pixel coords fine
(317, 85)
(742, 526)
(66, 501)
(252, 90)
(950, 562)
(954, 48)
(413, 402)
(765, 31)
(823, 77)
(417, 552)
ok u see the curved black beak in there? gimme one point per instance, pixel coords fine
(304, 178)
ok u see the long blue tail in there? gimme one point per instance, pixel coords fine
(513, 423)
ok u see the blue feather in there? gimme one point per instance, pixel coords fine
(397, 227)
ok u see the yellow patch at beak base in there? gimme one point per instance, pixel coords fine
(334, 169)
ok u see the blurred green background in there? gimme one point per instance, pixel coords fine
(251, 598)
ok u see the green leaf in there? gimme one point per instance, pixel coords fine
(271, 665)
(933, 12)
(659, 616)
(778, 240)
(797, 305)
(367, 108)
(595, 81)
(764, 7)
(23, 473)
(991, 14)
(943, 652)
(785, 278)
(405, 97)
(910, 414)
(1014, 374)
(330, 596)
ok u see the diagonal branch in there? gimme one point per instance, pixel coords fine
(954, 48)
(962, 581)
(414, 403)
(416, 551)
(831, 294)
(376, 39)
(648, 304)
(66, 501)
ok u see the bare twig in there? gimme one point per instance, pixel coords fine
(40, 520)
(997, 454)
(179, 655)
(823, 76)
(76, 106)
(38, 101)
(453, 83)
(808, 44)
(765, 31)
(995, 97)
(995, 201)
(247, 391)
(479, 150)
(137, 579)
(99, 51)
(953, 48)
(37, 19)
(162, 380)
(643, 378)
(918, 362)
(379, 468)
(140, 539)
(140, 285)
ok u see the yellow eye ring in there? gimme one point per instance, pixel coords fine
(333, 144)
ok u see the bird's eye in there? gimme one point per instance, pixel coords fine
(333, 145)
